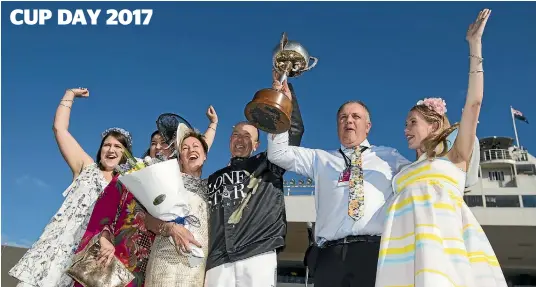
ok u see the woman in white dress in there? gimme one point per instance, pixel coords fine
(44, 264)
(431, 237)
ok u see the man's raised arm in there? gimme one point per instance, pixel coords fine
(296, 122)
(283, 149)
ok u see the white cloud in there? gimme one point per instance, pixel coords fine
(24, 243)
(27, 181)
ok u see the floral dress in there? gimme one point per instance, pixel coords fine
(118, 212)
(45, 263)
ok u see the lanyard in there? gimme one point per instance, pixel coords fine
(347, 160)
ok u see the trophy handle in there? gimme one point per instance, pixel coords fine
(315, 60)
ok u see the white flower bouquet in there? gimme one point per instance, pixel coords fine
(158, 185)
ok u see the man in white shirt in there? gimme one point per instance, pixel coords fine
(352, 185)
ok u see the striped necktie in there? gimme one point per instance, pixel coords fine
(356, 194)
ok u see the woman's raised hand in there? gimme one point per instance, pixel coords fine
(212, 115)
(79, 92)
(476, 29)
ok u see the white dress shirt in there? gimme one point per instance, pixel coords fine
(380, 164)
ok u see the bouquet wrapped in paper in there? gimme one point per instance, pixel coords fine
(158, 185)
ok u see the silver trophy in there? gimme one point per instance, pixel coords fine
(291, 59)
(270, 110)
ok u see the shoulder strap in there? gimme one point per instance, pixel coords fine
(124, 194)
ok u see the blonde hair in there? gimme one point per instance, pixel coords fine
(193, 134)
(439, 137)
(199, 136)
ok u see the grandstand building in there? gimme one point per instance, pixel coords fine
(504, 202)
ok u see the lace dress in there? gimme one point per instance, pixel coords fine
(168, 268)
(44, 264)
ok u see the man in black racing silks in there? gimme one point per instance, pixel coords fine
(247, 209)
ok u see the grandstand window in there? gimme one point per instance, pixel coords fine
(529, 200)
(502, 201)
(496, 175)
(473, 200)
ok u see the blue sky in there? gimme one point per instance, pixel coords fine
(193, 55)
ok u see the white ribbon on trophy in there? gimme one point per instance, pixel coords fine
(160, 189)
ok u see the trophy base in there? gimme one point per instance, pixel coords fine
(269, 111)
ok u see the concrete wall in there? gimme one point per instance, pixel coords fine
(10, 257)
(505, 216)
(300, 208)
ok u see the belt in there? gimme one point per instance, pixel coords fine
(352, 239)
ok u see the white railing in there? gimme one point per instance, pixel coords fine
(495, 154)
(303, 186)
(299, 190)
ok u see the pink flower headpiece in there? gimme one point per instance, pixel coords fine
(437, 105)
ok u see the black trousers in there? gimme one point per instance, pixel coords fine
(347, 265)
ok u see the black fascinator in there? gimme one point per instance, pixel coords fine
(167, 124)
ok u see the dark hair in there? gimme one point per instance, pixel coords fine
(198, 136)
(354, 102)
(150, 140)
(119, 137)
